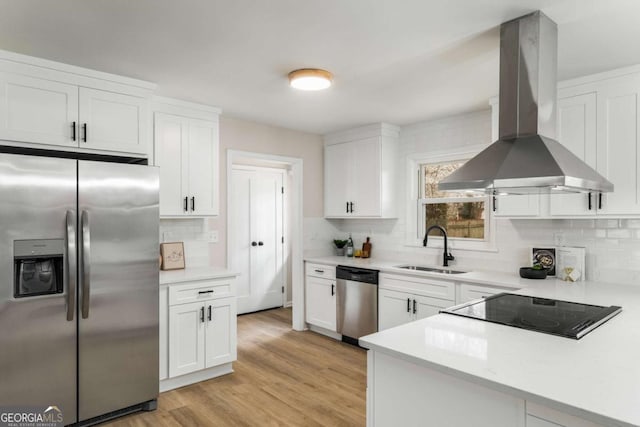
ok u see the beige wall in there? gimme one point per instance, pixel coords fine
(236, 134)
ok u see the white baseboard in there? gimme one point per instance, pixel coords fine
(195, 377)
(326, 332)
(288, 304)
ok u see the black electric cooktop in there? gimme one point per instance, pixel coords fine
(563, 318)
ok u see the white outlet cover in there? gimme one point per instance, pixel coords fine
(213, 236)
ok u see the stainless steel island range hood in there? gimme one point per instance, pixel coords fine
(526, 158)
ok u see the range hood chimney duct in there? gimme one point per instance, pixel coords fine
(526, 158)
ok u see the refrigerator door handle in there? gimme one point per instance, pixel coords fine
(86, 263)
(71, 264)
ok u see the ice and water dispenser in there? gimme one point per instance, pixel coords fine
(37, 267)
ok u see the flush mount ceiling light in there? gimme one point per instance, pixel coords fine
(310, 79)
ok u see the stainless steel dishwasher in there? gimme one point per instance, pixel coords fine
(357, 302)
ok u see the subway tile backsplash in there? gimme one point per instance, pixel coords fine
(612, 245)
(191, 231)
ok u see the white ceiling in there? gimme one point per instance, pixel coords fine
(399, 61)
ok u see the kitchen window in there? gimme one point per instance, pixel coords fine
(461, 214)
(467, 217)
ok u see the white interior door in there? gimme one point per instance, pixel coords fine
(257, 250)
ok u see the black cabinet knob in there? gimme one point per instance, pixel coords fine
(260, 244)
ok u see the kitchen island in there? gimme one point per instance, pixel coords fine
(447, 370)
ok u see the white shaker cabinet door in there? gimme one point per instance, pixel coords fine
(321, 302)
(337, 171)
(516, 205)
(577, 132)
(619, 144)
(38, 111)
(186, 338)
(394, 308)
(112, 121)
(170, 136)
(221, 331)
(427, 307)
(365, 182)
(203, 167)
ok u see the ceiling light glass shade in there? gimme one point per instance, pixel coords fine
(310, 79)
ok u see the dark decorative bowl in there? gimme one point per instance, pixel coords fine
(532, 273)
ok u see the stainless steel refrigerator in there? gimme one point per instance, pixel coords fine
(78, 286)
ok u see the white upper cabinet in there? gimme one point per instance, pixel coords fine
(186, 150)
(619, 144)
(112, 121)
(599, 121)
(44, 104)
(360, 172)
(39, 111)
(577, 132)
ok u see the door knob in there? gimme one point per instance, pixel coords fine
(260, 244)
(254, 244)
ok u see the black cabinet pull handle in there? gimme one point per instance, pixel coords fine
(202, 314)
(193, 204)
(210, 291)
(414, 307)
(254, 244)
(260, 244)
(186, 208)
(495, 205)
(319, 271)
(408, 305)
(599, 200)
(73, 131)
(333, 289)
(209, 316)
(589, 201)
(347, 207)
(84, 129)
(351, 205)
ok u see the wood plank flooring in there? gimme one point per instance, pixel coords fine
(281, 378)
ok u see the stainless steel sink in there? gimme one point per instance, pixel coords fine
(429, 269)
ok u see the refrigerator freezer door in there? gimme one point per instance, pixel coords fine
(118, 286)
(37, 333)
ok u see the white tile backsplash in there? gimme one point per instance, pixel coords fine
(193, 232)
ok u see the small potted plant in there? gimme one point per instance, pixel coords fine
(340, 246)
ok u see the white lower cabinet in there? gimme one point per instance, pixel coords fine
(201, 335)
(320, 296)
(468, 292)
(402, 393)
(402, 299)
(198, 331)
(396, 308)
(186, 338)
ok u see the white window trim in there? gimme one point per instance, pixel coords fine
(413, 205)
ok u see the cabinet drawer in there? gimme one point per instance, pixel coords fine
(428, 287)
(201, 290)
(320, 270)
(473, 292)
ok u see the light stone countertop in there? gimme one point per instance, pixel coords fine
(492, 278)
(596, 377)
(194, 273)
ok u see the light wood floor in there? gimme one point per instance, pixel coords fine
(281, 378)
